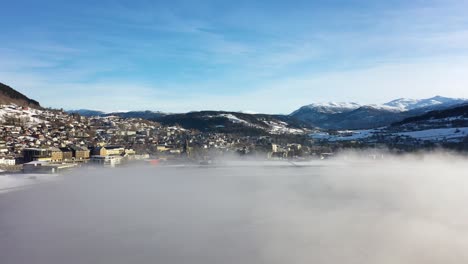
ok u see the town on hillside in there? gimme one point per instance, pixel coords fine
(49, 140)
(36, 139)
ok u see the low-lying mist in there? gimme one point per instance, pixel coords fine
(353, 210)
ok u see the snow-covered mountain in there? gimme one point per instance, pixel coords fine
(441, 126)
(346, 115)
(406, 104)
(329, 108)
(356, 116)
(319, 114)
(332, 115)
(233, 122)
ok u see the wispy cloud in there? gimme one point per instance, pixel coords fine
(184, 56)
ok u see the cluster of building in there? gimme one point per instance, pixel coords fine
(40, 138)
(51, 140)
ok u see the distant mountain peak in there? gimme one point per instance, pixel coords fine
(407, 104)
(335, 104)
(329, 107)
(86, 112)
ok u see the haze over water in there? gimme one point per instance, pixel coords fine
(395, 211)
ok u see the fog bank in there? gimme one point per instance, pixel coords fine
(401, 210)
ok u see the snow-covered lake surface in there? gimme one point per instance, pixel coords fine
(391, 211)
(15, 182)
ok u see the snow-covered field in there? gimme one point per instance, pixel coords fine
(345, 135)
(438, 134)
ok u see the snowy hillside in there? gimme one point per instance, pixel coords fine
(17, 114)
(233, 122)
(271, 126)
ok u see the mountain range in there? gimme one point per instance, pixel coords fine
(340, 116)
(433, 103)
(333, 116)
(448, 127)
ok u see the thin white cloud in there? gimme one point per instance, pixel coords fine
(416, 51)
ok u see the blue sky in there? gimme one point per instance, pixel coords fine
(261, 56)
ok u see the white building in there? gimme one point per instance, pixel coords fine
(6, 161)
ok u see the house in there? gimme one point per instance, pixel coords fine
(108, 151)
(56, 154)
(163, 148)
(67, 153)
(80, 153)
(7, 161)
(99, 151)
(115, 150)
(129, 152)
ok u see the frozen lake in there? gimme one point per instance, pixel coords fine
(17, 181)
(381, 212)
